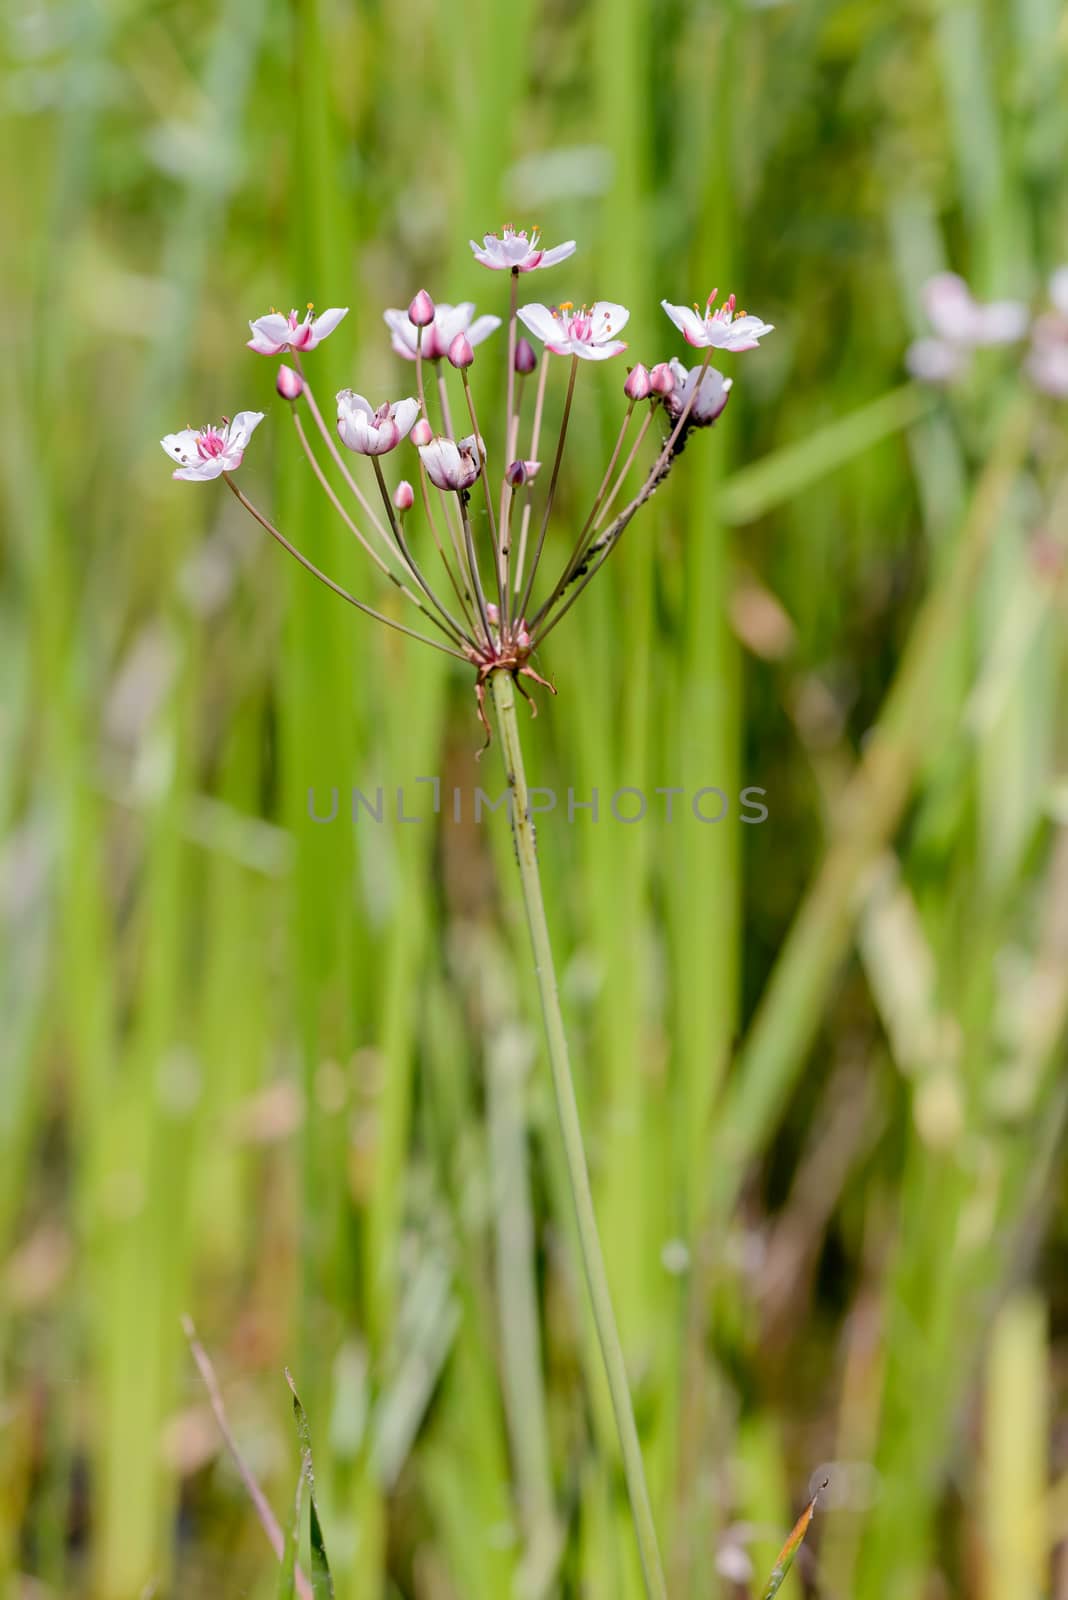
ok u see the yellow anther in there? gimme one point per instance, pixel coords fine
(567, 305)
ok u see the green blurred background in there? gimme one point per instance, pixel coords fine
(288, 1079)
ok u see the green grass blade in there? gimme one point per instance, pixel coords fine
(287, 1577)
(322, 1582)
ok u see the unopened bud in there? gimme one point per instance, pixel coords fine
(662, 379)
(421, 310)
(460, 351)
(520, 472)
(492, 612)
(288, 383)
(422, 433)
(404, 496)
(638, 385)
(525, 359)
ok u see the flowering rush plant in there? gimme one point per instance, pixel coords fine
(479, 590)
(489, 606)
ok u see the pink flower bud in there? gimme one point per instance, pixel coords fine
(460, 351)
(520, 472)
(492, 612)
(421, 310)
(422, 433)
(404, 496)
(289, 383)
(638, 385)
(525, 359)
(662, 379)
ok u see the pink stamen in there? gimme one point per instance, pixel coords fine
(210, 443)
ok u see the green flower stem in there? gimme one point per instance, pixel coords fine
(571, 1131)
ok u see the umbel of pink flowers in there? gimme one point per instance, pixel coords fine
(474, 573)
(961, 324)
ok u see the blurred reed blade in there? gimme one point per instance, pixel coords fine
(755, 490)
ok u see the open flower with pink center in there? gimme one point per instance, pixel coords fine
(590, 333)
(713, 391)
(452, 463)
(370, 432)
(512, 251)
(211, 451)
(274, 333)
(439, 334)
(723, 329)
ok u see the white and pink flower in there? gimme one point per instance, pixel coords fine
(373, 432)
(274, 333)
(723, 329)
(590, 334)
(453, 463)
(956, 316)
(512, 251)
(439, 334)
(713, 391)
(935, 360)
(211, 451)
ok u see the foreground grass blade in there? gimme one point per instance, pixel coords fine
(267, 1518)
(322, 1582)
(793, 1544)
(287, 1578)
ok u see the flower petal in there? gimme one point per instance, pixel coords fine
(597, 352)
(181, 447)
(1002, 322)
(403, 335)
(950, 307)
(353, 404)
(689, 324)
(241, 428)
(559, 252)
(539, 320)
(404, 414)
(481, 329)
(608, 312)
(328, 321)
(212, 467)
(270, 334)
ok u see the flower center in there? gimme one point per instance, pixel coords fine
(210, 443)
(726, 312)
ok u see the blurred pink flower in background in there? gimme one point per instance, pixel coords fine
(439, 334)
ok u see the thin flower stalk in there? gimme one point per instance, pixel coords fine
(571, 1135)
(535, 442)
